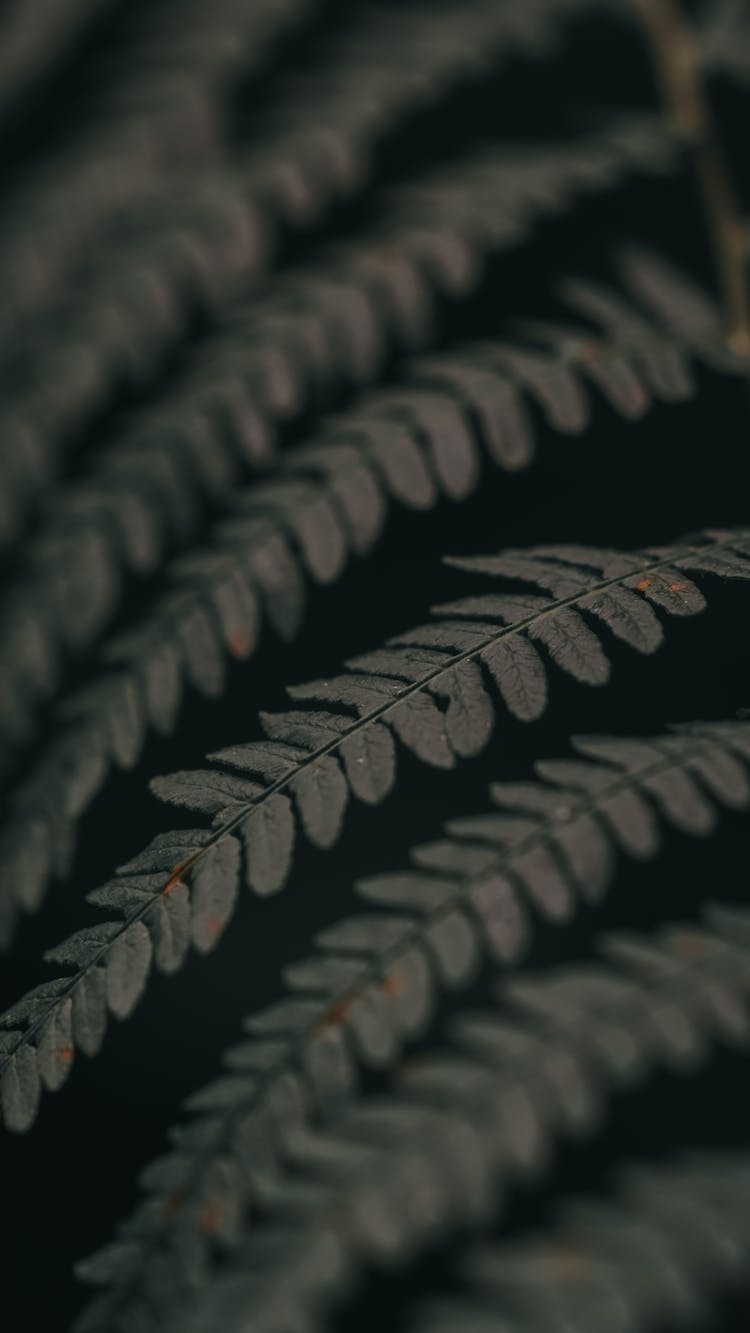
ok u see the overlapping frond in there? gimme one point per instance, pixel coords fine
(210, 236)
(141, 134)
(373, 983)
(392, 1175)
(435, 691)
(283, 282)
(31, 42)
(723, 41)
(316, 329)
(672, 1242)
(330, 503)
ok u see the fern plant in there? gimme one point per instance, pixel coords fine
(374, 984)
(669, 1242)
(418, 334)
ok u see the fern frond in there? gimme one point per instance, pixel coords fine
(145, 493)
(148, 489)
(122, 161)
(283, 284)
(330, 502)
(724, 41)
(29, 43)
(672, 1241)
(145, 490)
(374, 982)
(675, 302)
(435, 691)
(391, 1175)
(318, 149)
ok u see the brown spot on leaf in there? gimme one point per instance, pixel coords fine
(644, 585)
(689, 945)
(739, 343)
(390, 986)
(336, 1015)
(590, 351)
(567, 1263)
(240, 645)
(679, 587)
(211, 1217)
(66, 1054)
(173, 1203)
(175, 880)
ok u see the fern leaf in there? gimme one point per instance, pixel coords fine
(679, 304)
(662, 366)
(496, 404)
(451, 672)
(147, 490)
(374, 982)
(442, 714)
(242, 218)
(230, 220)
(723, 41)
(30, 45)
(389, 1176)
(105, 173)
(672, 1239)
(297, 526)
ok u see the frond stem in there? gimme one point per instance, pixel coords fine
(676, 57)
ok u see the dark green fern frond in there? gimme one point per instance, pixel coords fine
(149, 489)
(392, 1175)
(80, 557)
(211, 236)
(672, 1241)
(724, 41)
(373, 985)
(330, 503)
(675, 302)
(297, 296)
(33, 41)
(104, 171)
(435, 690)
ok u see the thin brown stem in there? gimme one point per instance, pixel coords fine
(678, 66)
